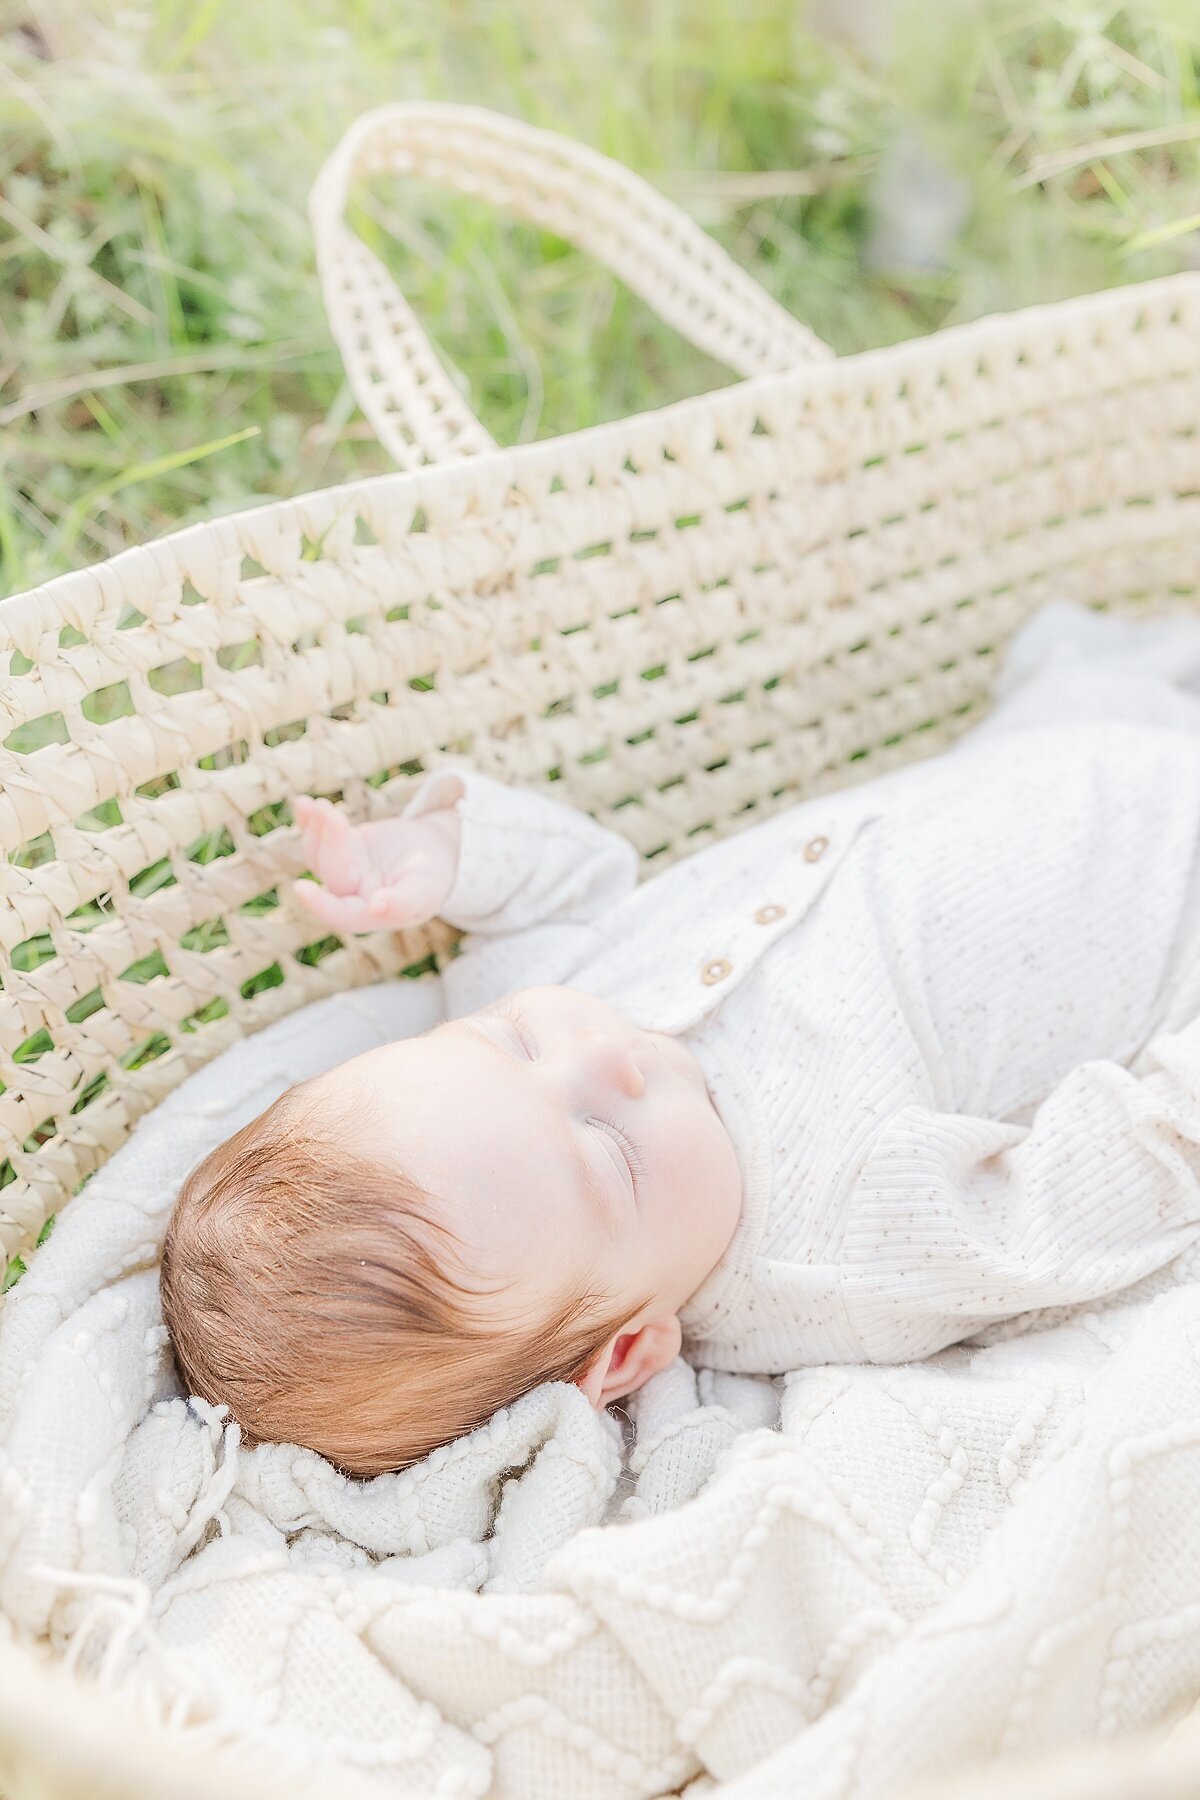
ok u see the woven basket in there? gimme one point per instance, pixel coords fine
(684, 621)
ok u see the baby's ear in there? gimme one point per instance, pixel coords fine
(630, 1358)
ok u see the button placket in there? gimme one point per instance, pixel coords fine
(716, 969)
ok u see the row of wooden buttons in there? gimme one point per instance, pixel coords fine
(718, 969)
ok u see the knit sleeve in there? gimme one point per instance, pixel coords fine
(958, 1221)
(525, 860)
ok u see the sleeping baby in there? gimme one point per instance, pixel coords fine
(848, 1085)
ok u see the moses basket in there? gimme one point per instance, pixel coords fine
(685, 621)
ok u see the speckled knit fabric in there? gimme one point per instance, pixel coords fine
(831, 1582)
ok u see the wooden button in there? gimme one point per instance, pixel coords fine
(815, 849)
(715, 971)
(766, 915)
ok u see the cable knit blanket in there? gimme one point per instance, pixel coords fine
(830, 1584)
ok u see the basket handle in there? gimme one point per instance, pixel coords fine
(593, 202)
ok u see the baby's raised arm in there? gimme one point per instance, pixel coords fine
(489, 858)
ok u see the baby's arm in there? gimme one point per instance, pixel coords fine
(489, 858)
(958, 1221)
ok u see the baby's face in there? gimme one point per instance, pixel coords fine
(565, 1148)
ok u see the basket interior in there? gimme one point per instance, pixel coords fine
(688, 620)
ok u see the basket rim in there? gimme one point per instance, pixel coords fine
(807, 378)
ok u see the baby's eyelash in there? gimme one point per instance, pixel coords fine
(633, 1155)
(509, 1010)
(516, 1018)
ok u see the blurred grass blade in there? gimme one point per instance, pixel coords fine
(177, 459)
(1161, 234)
(91, 503)
(163, 368)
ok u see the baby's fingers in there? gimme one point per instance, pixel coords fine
(313, 818)
(330, 845)
(408, 901)
(340, 912)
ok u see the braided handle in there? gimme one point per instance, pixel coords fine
(594, 203)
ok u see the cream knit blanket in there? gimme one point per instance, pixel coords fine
(830, 1584)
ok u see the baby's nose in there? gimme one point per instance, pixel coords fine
(612, 1061)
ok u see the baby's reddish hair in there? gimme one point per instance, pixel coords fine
(310, 1288)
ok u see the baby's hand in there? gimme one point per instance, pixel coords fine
(384, 876)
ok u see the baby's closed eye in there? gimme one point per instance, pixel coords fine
(509, 1010)
(631, 1154)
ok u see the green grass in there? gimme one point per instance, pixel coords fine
(163, 350)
